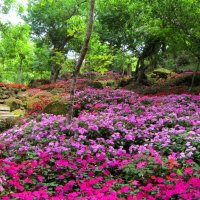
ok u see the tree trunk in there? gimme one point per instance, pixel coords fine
(80, 60)
(194, 74)
(137, 69)
(123, 71)
(141, 72)
(55, 72)
(129, 70)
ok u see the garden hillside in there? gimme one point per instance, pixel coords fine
(120, 145)
(100, 100)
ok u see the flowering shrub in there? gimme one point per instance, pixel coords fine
(164, 90)
(38, 100)
(107, 79)
(81, 83)
(12, 85)
(121, 146)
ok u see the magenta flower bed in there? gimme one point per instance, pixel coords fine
(121, 146)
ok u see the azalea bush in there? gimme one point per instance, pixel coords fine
(38, 100)
(81, 83)
(13, 85)
(84, 80)
(120, 146)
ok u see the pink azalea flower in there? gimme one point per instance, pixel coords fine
(160, 180)
(59, 187)
(188, 170)
(124, 189)
(30, 171)
(1, 188)
(141, 164)
(5, 198)
(106, 172)
(135, 182)
(27, 180)
(40, 178)
(61, 177)
(91, 173)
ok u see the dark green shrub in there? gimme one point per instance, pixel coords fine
(186, 80)
(124, 81)
(96, 84)
(8, 123)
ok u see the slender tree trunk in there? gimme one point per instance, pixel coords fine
(123, 70)
(137, 69)
(80, 60)
(194, 74)
(129, 70)
(55, 72)
(55, 67)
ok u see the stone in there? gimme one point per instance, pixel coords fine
(16, 104)
(9, 115)
(56, 108)
(9, 101)
(23, 89)
(4, 88)
(4, 108)
(4, 96)
(22, 96)
(7, 92)
(16, 91)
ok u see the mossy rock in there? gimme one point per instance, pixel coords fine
(56, 108)
(96, 84)
(22, 96)
(161, 73)
(9, 101)
(16, 104)
(124, 81)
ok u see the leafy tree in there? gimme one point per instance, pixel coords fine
(49, 21)
(99, 55)
(16, 49)
(184, 20)
(129, 28)
(149, 29)
(40, 61)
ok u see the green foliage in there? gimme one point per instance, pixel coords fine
(17, 52)
(6, 5)
(163, 34)
(68, 65)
